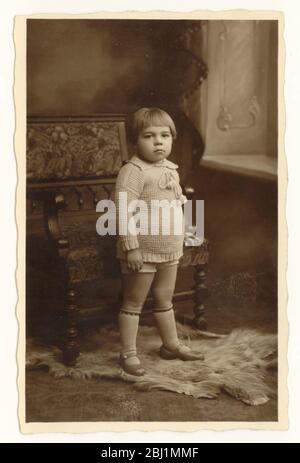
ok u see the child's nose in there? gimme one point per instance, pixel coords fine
(158, 140)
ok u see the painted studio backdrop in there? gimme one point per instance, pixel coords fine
(218, 80)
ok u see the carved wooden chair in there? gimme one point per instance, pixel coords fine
(72, 163)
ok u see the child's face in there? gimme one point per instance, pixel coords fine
(154, 143)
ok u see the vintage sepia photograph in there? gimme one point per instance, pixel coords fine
(152, 227)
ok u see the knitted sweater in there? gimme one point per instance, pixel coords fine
(146, 181)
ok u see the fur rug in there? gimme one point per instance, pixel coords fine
(237, 364)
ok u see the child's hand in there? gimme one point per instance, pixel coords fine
(134, 260)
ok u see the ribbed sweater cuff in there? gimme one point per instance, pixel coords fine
(129, 243)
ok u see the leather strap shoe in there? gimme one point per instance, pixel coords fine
(135, 369)
(181, 352)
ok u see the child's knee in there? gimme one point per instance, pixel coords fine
(162, 298)
(132, 306)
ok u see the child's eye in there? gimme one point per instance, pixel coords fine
(166, 135)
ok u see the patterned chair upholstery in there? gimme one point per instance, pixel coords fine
(72, 163)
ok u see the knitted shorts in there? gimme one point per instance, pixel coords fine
(148, 267)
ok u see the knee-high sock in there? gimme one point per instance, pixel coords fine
(128, 326)
(166, 325)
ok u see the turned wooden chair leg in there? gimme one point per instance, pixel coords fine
(71, 344)
(201, 293)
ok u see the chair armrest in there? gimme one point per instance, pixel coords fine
(53, 202)
(188, 191)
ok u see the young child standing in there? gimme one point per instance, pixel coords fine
(149, 260)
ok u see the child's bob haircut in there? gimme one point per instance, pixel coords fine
(146, 117)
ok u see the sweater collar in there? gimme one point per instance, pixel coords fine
(144, 165)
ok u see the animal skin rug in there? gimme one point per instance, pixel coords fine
(237, 363)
